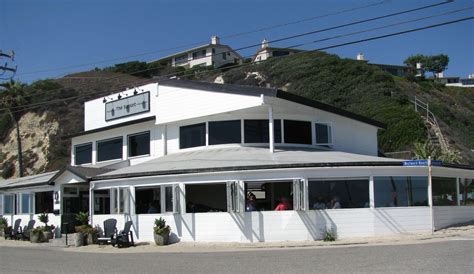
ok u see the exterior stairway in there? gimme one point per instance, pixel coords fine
(435, 136)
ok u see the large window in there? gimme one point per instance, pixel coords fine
(264, 196)
(338, 193)
(139, 144)
(148, 200)
(256, 131)
(181, 59)
(109, 149)
(224, 132)
(102, 201)
(44, 202)
(8, 204)
(323, 134)
(297, 132)
(466, 189)
(192, 136)
(83, 154)
(444, 191)
(396, 191)
(199, 54)
(206, 198)
(26, 203)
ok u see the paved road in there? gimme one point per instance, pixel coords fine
(449, 257)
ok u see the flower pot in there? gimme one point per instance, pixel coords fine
(47, 235)
(36, 237)
(2, 233)
(161, 239)
(91, 238)
(78, 239)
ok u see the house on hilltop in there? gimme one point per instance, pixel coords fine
(266, 52)
(212, 54)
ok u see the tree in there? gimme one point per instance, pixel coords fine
(436, 63)
(11, 98)
(424, 150)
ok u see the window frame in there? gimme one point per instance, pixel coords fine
(209, 136)
(137, 134)
(375, 177)
(329, 135)
(91, 156)
(30, 203)
(285, 135)
(106, 140)
(12, 204)
(205, 124)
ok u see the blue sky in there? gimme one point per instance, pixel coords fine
(54, 34)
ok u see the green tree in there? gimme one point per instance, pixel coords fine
(10, 98)
(436, 63)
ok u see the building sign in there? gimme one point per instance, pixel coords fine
(128, 106)
(422, 163)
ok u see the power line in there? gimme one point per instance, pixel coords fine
(242, 65)
(303, 34)
(224, 37)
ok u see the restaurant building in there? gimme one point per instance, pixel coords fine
(228, 163)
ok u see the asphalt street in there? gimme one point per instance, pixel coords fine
(454, 256)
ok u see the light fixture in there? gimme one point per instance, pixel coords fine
(119, 96)
(104, 101)
(135, 92)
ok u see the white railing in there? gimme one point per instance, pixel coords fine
(430, 118)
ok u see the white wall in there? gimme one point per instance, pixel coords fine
(451, 215)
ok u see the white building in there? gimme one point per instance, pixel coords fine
(195, 152)
(266, 52)
(212, 54)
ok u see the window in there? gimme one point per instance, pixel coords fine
(206, 198)
(256, 131)
(44, 202)
(263, 196)
(338, 193)
(109, 149)
(466, 189)
(102, 201)
(8, 204)
(199, 54)
(444, 191)
(83, 154)
(224, 56)
(26, 203)
(192, 136)
(213, 50)
(323, 134)
(168, 198)
(148, 200)
(297, 132)
(181, 59)
(124, 200)
(139, 144)
(396, 191)
(224, 132)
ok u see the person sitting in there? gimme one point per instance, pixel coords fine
(284, 204)
(251, 204)
(335, 204)
(319, 204)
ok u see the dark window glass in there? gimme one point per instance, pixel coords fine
(224, 56)
(102, 201)
(139, 144)
(44, 202)
(335, 194)
(148, 200)
(8, 204)
(323, 134)
(256, 131)
(83, 154)
(206, 198)
(444, 191)
(466, 188)
(263, 196)
(110, 149)
(399, 191)
(224, 132)
(192, 136)
(297, 132)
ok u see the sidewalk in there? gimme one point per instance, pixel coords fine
(465, 232)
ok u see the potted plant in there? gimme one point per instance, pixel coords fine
(82, 219)
(36, 235)
(3, 226)
(161, 232)
(47, 230)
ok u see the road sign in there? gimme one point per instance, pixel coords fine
(422, 163)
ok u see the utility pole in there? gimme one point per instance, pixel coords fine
(7, 73)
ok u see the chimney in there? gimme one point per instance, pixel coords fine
(440, 75)
(470, 76)
(264, 43)
(418, 65)
(215, 40)
(360, 57)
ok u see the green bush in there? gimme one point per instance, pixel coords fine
(329, 236)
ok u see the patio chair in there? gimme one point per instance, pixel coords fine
(15, 232)
(25, 234)
(121, 238)
(110, 228)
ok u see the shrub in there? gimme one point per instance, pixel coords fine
(160, 227)
(44, 218)
(3, 222)
(82, 218)
(329, 236)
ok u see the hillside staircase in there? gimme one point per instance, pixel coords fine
(435, 136)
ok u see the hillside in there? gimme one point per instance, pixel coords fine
(348, 84)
